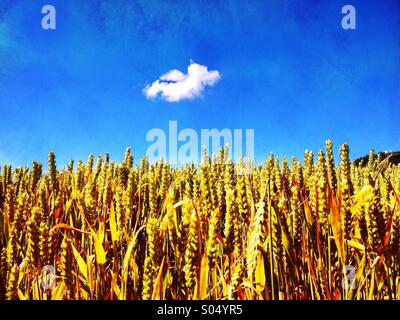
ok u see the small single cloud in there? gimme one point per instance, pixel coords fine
(175, 86)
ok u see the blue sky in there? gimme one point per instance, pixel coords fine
(288, 70)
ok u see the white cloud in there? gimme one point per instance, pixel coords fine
(175, 85)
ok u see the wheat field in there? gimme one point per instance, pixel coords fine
(304, 230)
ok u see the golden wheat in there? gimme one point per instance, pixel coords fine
(221, 230)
